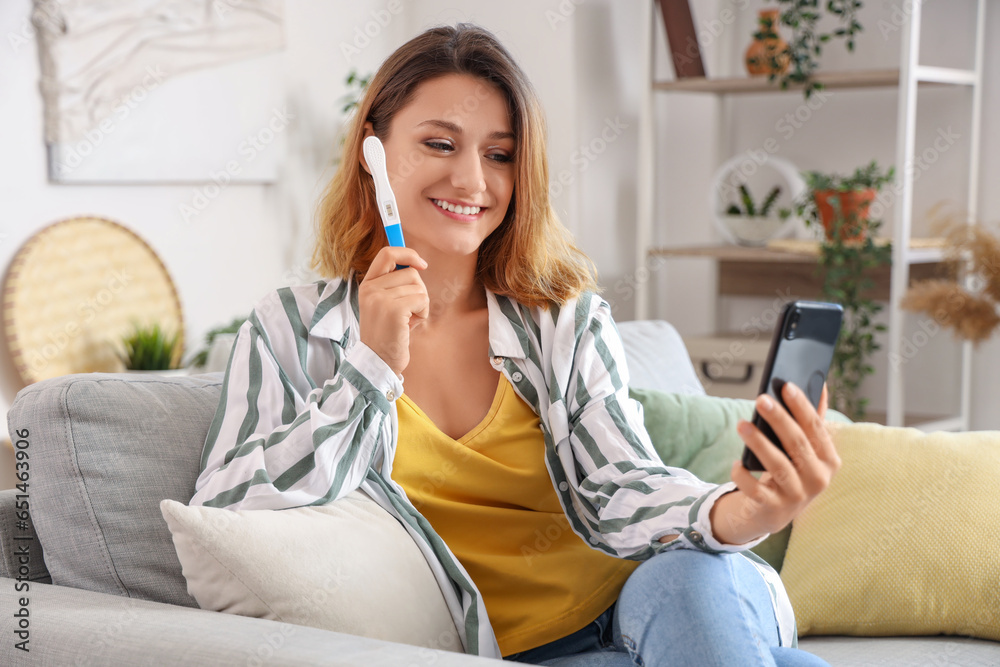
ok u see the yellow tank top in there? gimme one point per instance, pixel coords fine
(489, 496)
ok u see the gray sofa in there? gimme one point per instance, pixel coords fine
(91, 577)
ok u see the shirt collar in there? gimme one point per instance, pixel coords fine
(506, 323)
(507, 328)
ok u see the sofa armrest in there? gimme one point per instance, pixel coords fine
(70, 626)
(19, 547)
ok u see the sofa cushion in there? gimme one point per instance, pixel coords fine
(698, 433)
(903, 542)
(348, 566)
(105, 450)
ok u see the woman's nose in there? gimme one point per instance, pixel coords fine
(467, 174)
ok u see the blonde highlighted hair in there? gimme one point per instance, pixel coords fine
(530, 257)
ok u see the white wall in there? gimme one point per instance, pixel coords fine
(540, 38)
(251, 238)
(586, 69)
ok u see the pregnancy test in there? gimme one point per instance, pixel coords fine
(385, 199)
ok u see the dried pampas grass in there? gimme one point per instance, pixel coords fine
(973, 316)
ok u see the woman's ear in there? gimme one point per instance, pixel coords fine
(369, 131)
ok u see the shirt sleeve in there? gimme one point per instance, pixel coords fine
(636, 497)
(274, 446)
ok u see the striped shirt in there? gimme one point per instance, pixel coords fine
(308, 414)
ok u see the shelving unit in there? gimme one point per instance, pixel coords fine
(907, 262)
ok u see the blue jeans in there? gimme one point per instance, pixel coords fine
(680, 608)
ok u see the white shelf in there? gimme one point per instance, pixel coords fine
(958, 77)
(907, 261)
(844, 80)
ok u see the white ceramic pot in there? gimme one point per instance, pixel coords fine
(218, 354)
(759, 175)
(752, 231)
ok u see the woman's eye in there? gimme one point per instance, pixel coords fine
(502, 158)
(438, 145)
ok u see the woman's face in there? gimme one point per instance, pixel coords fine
(450, 157)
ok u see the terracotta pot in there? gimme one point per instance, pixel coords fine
(767, 56)
(851, 206)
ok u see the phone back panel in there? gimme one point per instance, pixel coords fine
(801, 353)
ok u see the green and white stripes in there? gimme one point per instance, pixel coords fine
(308, 414)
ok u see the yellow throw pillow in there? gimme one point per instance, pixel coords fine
(906, 539)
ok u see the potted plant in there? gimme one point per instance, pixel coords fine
(841, 203)
(796, 63)
(751, 224)
(848, 255)
(768, 53)
(846, 269)
(150, 348)
(218, 343)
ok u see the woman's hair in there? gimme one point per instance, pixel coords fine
(530, 257)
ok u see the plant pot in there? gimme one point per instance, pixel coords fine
(849, 208)
(752, 231)
(768, 55)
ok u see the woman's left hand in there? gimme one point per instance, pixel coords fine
(789, 483)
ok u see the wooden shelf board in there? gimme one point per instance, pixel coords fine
(749, 271)
(790, 251)
(734, 253)
(869, 78)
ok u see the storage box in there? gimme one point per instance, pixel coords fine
(730, 365)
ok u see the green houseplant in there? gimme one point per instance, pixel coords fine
(201, 356)
(797, 62)
(848, 254)
(841, 203)
(751, 223)
(150, 348)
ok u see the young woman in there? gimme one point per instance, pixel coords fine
(511, 452)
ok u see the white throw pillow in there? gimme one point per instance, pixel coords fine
(348, 566)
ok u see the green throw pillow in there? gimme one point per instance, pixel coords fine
(698, 433)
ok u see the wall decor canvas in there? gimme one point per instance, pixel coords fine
(162, 90)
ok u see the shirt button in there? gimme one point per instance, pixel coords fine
(497, 361)
(696, 537)
(516, 376)
(390, 395)
(593, 540)
(563, 486)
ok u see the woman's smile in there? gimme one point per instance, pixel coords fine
(459, 210)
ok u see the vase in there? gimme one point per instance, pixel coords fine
(849, 209)
(753, 231)
(767, 55)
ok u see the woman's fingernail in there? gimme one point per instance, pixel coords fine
(743, 428)
(790, 389)
(766, 403)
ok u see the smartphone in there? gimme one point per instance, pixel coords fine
(801, 351)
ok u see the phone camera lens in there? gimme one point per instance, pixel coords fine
(793, 323)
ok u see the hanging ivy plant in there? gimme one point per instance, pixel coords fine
(806, 44)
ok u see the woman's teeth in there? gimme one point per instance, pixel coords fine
(462, 210)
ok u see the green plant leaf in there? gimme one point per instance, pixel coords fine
(149, 348)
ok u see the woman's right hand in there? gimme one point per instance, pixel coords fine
(392, 302)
